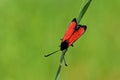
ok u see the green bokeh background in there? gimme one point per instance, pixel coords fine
(31, 28)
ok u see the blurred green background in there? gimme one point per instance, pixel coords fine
(31, 28)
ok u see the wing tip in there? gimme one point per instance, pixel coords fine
(84, 26)
(74, 20)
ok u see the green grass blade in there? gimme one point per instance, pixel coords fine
(83, 11)
(60, 65)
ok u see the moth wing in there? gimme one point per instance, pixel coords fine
(77, 34)
(70, 30)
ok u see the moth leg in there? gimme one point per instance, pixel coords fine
(72, 45)
(61, 39)
(65, 62)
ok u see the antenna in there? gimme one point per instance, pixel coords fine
(51, 53)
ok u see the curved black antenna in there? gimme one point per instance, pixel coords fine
(51, 53)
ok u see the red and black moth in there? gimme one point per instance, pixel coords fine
(74, 32)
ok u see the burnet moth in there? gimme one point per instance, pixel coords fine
(74, 32)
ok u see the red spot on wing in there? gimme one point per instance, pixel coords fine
(70, 30)
(77, 34)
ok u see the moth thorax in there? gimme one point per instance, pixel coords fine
(64, 45)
